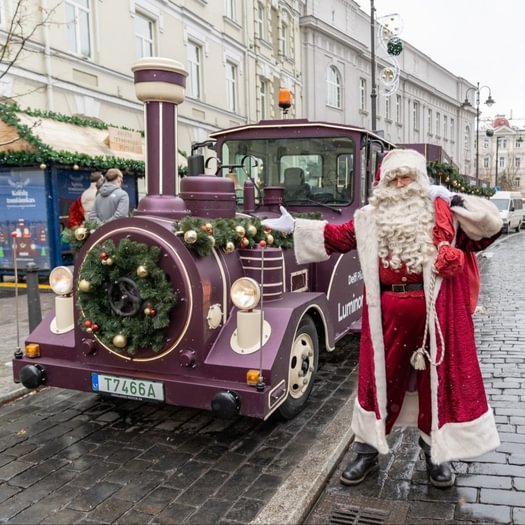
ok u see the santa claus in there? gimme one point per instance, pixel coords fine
(418, 363)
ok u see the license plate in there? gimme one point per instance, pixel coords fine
(127, 387)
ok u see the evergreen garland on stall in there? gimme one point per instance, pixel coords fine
(134, 264)
(77, 235)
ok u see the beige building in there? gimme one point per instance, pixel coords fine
(238, 54)
(78, 60)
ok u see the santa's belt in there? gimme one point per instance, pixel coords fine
(401, 287)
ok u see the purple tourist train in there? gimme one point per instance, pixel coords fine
(191, 301)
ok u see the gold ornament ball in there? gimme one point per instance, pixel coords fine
(252, 230)
(269, 238)
(84, 285)
(80, 233)
(190, 237)
(147, 311)
(241, 232)
(245, 242)
(120, 341)
(212, 240)
(43, 166)
(109, 261)
(142, 271)
(230, 247)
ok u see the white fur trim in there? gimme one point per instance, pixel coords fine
(368, 429)
(456, 441)
(479, 218)
(308, 241)
(405, 158)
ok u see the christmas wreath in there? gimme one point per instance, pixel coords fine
(202, 235)
(124, 297)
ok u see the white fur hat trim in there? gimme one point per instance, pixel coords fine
(405, 158)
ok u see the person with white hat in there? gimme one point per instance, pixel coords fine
(418, 364)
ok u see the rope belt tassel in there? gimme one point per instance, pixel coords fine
(418, 359)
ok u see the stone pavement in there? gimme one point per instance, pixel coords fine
(71, 457)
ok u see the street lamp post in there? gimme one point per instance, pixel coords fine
(497, 162)
(373, 91)
(466, 103)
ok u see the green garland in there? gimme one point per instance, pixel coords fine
(77, 236)
(137, 262)
(201, 235)
(42, 154)
(450, 177)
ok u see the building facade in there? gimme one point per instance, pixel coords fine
(238, 54)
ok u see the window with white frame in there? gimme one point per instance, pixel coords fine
(284, 38)
(362, 94)
(445, 126)
(501, 162)
(231, 86)
(230, 10)
(194, 85)
(260, 20)
(78, 13)
(517, 162)
(144, 31)
(398, 109)
(452, 129)
(415, 114)
(429, 121)
(438, 123)
(263, 97)
(519, 142)
(485, 144)
(486, 162)
(333, 87)
(388, 108)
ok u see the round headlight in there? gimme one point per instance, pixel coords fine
(61, 280)
(245, 293)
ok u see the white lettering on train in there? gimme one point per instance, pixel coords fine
(347, 309)
(355, 277)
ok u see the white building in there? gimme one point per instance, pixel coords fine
(238, 54)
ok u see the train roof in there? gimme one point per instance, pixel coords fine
(289, 123)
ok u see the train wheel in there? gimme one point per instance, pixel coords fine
(304, 358)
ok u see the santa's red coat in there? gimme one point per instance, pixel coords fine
(454, 411)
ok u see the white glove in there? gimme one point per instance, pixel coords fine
(285, 223)
(435, 191)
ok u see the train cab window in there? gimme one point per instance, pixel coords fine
(312, 170)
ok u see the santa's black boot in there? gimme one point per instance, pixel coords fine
(358, 469)
(441, 476)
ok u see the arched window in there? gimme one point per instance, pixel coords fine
(333, 87)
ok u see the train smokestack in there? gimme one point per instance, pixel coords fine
(160, 83)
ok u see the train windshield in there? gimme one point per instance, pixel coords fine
(311, 170)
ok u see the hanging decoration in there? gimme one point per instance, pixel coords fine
(202, 235)
(77, 236)
(124, 296)
(388, 29)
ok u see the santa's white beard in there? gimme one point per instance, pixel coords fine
(404, 219)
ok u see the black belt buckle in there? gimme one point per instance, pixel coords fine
(399, 288)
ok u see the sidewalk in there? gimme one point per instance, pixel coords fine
(13, 335)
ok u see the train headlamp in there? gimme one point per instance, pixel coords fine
(245, 293)
(61, 280)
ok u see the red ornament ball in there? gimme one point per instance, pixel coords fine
(95, 327)
(87, 323)
(262, 244)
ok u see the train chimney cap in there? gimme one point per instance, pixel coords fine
(159, 79)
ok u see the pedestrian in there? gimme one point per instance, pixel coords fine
(418, 364)
(96, 179)
(111, 202)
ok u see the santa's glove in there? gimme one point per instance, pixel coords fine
(435, 191)
(285, 223)
(449, 261)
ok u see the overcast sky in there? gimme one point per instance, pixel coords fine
(482, 41)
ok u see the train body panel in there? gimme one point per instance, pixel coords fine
(191, 301)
